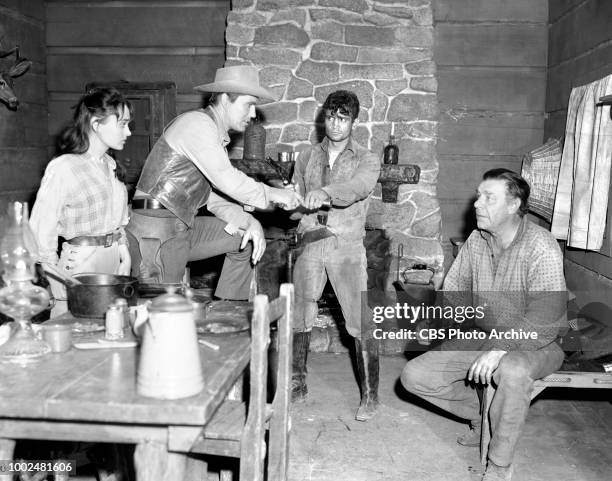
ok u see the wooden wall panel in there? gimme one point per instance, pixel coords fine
(60, 111)
(461, 172)
(132, 40)
(27, 127)
(487, 138)
(71, 72)
(555, 124)
(458, 219)
(146, 25)
(580, 52)
(491, 10)
(491, 66)
(501, 45)
(587, 287)
(187, 102)
(595, 64)
(588, 26)
(23, 132)
(16, 163)
(31, 88)
(558, 8)
(490, 88)
(27, 32)
(27, 8)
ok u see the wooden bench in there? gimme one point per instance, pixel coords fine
(565, 379)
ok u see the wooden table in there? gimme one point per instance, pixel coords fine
(90, 395)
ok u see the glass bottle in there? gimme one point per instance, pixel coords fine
(20, 299)
(254, 141)
(391, 152)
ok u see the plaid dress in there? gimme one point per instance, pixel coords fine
(78, 196)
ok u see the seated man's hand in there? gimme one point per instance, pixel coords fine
(315, 199)
(254, 232)
(286, 198)
(484, 366)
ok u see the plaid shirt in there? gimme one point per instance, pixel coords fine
(78, 196)
(352, 180)
(523, 287)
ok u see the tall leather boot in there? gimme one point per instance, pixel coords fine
(301, 345)
(368, 370)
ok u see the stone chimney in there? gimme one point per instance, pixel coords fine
(383, 51)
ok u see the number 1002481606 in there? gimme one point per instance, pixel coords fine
(51, 466)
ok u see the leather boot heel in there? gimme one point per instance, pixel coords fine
(301, 345)
(368, 372)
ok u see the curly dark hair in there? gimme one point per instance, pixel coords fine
(99, 102)
(344, 102)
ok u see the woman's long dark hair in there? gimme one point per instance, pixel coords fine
(99, 102)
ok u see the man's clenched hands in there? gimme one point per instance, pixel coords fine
(287, 198)
(315, 199)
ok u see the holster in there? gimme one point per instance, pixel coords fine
(149, 233)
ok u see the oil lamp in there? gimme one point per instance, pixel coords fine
(20, 298)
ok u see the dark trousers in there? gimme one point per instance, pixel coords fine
(161, 245)
(439, 376)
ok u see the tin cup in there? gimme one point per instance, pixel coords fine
(200, 306)
(286, 156)
(58, 336)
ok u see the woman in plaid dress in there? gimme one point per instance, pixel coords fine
(81, 197)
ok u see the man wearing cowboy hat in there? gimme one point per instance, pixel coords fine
(189, 168)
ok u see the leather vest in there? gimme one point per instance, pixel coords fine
(172, 179)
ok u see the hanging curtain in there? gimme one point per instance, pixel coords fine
(579, 215)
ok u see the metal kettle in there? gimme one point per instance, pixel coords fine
(169, 365)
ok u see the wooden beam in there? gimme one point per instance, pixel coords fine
(220, 50)
(77, 431)
(141, 3)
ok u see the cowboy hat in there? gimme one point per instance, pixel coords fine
(239, 79)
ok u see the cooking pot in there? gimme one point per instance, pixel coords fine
(91, 295)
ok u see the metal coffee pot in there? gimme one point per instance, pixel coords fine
(169, 366)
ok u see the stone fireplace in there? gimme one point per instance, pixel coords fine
(383, 51)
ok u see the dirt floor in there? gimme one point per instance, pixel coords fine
(567, 436)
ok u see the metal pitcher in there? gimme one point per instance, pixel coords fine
(169, 366)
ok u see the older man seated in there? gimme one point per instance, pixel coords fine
(513, 270)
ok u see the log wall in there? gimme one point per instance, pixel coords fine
(580, 42)
(491, 59)
(23, 132)
(135, 41)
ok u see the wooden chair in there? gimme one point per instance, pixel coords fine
(569, 379)
(238, 429)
